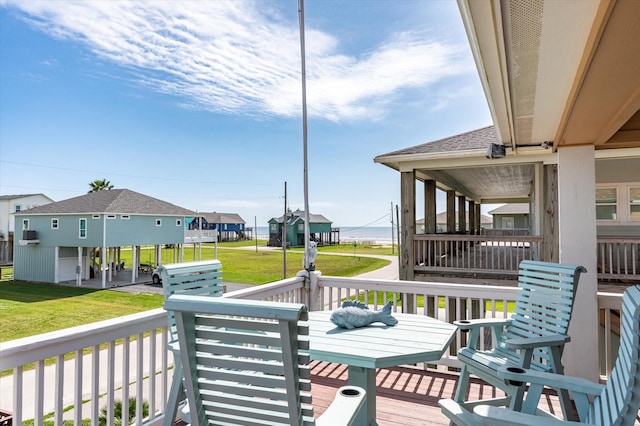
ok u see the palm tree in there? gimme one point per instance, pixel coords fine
(100, 185)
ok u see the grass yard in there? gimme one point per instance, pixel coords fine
(27, 309)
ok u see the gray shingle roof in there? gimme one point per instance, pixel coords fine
(114, 201)
(15, 197)
(299, 215)
(475, 139)
(222, 217)
(513, 208)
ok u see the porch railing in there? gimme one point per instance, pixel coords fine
(127, 357)
(474, 254)
(619, 258)
(500, 255)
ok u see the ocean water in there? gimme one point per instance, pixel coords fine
(350, 234)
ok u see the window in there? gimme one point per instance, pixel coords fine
(634, 203)
(83, 228)
(158, 222)
(18, 207)
(96, 216)
(25, 224)
(606, 203)
(54, 223)
(125, 217)
(508, 223)
(178, 222)
(111, 216)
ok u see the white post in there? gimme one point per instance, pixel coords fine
(577, 240)
(134, 264)
(79, 268)
(56, 265)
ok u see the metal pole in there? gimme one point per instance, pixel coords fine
(255, 228)
(284, 235)
(304, 134)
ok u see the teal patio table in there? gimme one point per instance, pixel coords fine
(416, 338)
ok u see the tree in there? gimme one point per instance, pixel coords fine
(100, 185)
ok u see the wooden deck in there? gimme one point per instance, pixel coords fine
(406, 396)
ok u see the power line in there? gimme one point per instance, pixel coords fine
(98, 172)
(386, 215)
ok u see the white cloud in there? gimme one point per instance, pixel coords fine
(243, 57)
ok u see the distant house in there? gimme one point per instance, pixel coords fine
(10, 204)
(511, 216)
(230, 226)
(70, 239)
(319, 229)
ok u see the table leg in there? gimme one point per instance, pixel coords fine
(366, 379)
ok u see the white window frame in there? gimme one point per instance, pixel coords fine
(111, 216)
(178, 222)
(17, 208)
(55, 223)
(25, 224)
(615, 187)
(125, 217)
(630, 202)
(80, 222)
(158, 222)
(95, 216)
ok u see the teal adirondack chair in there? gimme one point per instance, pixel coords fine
(533, 337)
(193, 278)
(616, 403)
(245, 363)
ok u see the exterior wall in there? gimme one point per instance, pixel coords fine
(34, 262)
(142, 230)
(137, 230)
(520, 221)
(7, 207)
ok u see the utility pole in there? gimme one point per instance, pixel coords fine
(392, 241)
(255, 230)
(284, 235)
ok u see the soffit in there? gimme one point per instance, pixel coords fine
(561, 71)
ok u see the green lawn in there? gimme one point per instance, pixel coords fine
(28, 308)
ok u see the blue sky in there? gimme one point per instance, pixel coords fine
(199, 104)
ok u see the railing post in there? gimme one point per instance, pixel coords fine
(312, 289)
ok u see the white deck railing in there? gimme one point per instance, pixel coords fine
(131, 350)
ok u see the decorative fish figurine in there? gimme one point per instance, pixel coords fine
(355, 314)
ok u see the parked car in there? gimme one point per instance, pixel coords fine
(156, 277)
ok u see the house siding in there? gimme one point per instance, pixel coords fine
(34, 262)
(142, 230)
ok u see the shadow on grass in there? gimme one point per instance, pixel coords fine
(26, 292)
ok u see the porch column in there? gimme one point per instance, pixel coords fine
(430, 206)
(408, 223)
(462, 214)
(472, 217)
(134, 264)
(451, 211)
(577, 243)
(103, 262)
(478, 222)
(550, 213)
(79, 268)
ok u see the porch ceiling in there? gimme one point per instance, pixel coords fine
(510, 183)
(561, 71)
